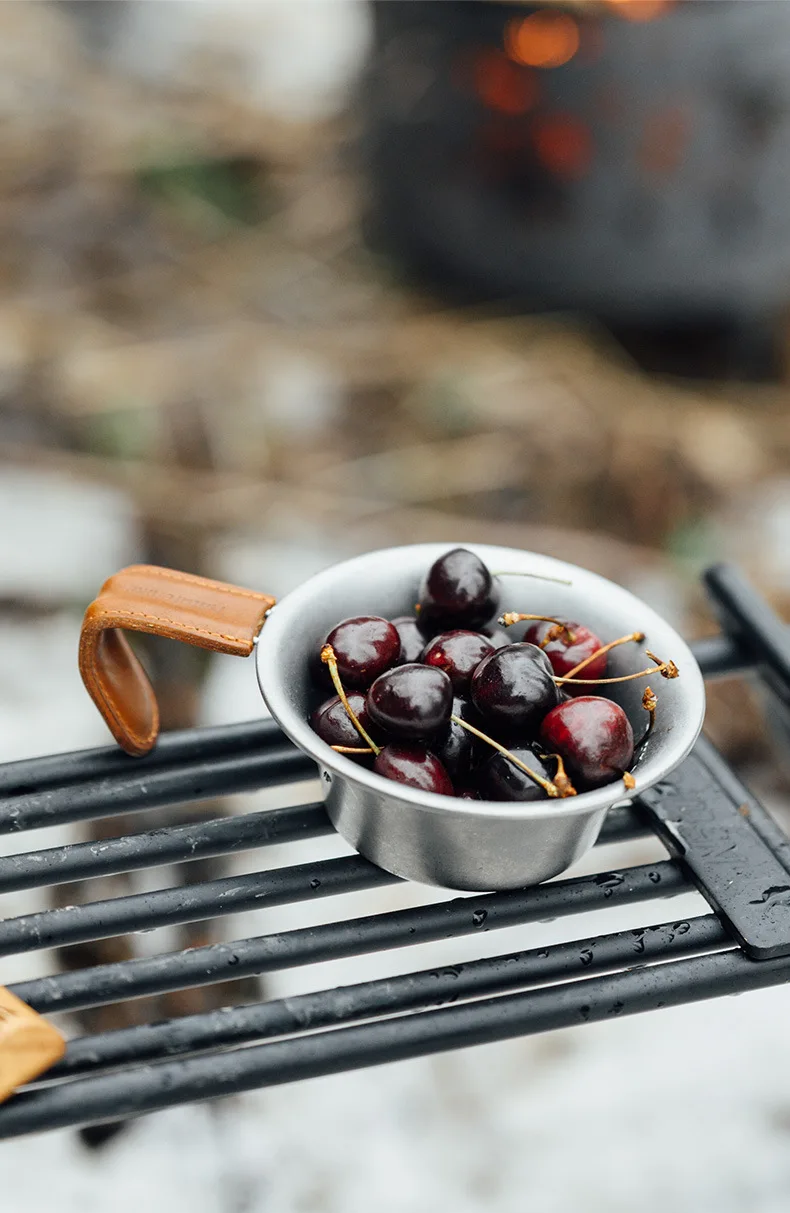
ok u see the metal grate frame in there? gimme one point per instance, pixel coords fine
(723, 843)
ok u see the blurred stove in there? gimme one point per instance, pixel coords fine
(631, 159)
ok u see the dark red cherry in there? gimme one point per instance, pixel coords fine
(565, 655)
(514, 687)
(458, 591)
(593, 736)
(411, 701)
(501, 779)
(364, 647)
(414, 765)
(457, 747)
(412, 641)
(332, 724)
(458, 653)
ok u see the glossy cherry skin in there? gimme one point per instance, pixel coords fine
(332, 723)
(458, 591)
(458, 653)
(414, 765)
(365, 647)
(565, 656)
(501, 779)
(411, 701)
(456, 747)
(593, 736)
(412, 641)
(514, 687)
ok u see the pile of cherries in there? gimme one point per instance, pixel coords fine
(442, 700)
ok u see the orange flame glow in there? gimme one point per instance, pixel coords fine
(563, 144)
(641, 10)
(542, 39)
(502, 85)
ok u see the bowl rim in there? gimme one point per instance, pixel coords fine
(655, 769)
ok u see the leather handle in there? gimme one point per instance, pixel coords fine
(29, 1045)
(163, 602)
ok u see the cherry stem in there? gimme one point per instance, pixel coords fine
(551, 789)
(510, 617)
(649, 703)
(537, 576)
(352, 749)
(553, 634)
(561, 778)
(637, 637)
(329, 659)
(629, 780)
(667, 669)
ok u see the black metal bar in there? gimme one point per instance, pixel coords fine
(754, 626)
(760, 819)
(170, 844)
(188, 903)
(721, 657)
(709, 825)
(182, 745)
(388, 996)
(200, 840)
(153, 1087)
(134, 789)
(399, 928)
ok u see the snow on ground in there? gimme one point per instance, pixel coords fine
(686, 1110)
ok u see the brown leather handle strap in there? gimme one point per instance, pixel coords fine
(143, 598)
(29, 1045)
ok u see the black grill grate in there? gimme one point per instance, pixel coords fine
(726, 843)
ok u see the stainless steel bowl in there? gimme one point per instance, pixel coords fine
(465, 844)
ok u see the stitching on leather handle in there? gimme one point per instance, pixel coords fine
(169, 620)
(157, 574)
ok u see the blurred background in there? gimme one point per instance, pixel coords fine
(287, 280)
